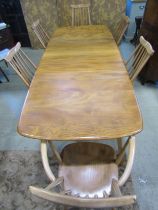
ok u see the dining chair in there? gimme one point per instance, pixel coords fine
(40, 33)
(119, 28)
(88, 175)
(139, 58)
(81, 14)
(21, 63)
(3, 54)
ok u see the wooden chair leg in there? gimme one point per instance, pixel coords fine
(55, 152)
(121, 155)
(120, 147)
(119, 144)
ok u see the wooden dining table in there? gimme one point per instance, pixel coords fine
(81, 90)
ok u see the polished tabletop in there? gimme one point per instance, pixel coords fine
(81, 90)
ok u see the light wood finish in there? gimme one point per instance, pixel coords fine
(72, 154)
(40, 33)
(115, 189)
(119, 144)
(21, 63)
(130, 161)
(81, 14)
(139, 58)
(83, 202)
(93, 180)
(81, 90)
(87, 174)
(55, 152)
(58, 182)
(88, 153)
(92, 162)
(121, 154)
(45, 161)
(120, 28)
(88, 169)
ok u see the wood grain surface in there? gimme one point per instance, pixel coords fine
(81, 90)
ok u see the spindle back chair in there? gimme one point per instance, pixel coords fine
(21, 63)
(81, 14)
(139, 58)
(120, 28)
(40, 33)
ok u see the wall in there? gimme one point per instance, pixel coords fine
(45, 10)
(102, 11)
(58, 12)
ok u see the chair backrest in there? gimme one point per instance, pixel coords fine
(81, 14)
(40, 33)
(120, 28)
(139, 58)
(20, 62)
(99, 191)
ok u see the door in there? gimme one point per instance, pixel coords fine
(11, 13)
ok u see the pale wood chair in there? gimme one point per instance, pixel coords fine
(40, 33)
(21, 63)
(120, 28)
(81, 14)
(88, 175)
(139, 58)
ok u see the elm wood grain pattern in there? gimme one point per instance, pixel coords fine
(88, 169)
(81, 90)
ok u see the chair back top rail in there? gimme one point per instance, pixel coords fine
(80, 6)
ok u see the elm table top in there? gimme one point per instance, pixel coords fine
(81, 90)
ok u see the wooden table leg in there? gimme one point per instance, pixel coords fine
(119, 144)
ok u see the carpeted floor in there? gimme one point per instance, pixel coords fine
(19, 170)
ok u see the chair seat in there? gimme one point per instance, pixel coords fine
(88, 169)
(3, 53)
